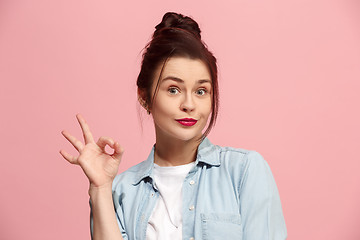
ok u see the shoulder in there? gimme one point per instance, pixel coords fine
(231, 158)
(243, 164)
(240, 157)
(128, 177)
(249, 170)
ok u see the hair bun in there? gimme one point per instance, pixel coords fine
(176, 20)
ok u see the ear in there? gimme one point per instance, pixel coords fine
(141, 97)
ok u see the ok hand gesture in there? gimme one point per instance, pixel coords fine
(99, 166)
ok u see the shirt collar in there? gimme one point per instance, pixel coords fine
(206, 153)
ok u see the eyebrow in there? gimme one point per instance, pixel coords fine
(176, 79)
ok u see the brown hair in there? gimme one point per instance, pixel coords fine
(177, 36)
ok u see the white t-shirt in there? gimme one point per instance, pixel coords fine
(166, 219)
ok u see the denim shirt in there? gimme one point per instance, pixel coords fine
(229, 194)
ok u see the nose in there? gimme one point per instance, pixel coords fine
(188, 104)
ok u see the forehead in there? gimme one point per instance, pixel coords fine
(185, 68)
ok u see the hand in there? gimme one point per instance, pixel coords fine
(99, 166)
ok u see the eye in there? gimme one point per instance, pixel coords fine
(173, 90)
(201, 91)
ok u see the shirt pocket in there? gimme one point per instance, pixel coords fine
(221, 226)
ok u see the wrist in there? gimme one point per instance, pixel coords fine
(96, 190)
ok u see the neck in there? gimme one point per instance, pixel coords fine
(175, 152)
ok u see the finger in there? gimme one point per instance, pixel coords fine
(103, 141)
(76, 143)
(71, 159)
(88, 137)
(118, 151)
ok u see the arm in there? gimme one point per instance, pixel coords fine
(260, 202)
(103, 218)
(101, 169)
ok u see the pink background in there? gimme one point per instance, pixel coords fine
(289, 79)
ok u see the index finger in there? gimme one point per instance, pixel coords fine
(85, 129)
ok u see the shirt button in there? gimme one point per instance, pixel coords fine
(192, 182)
(191, 207)
(152, 194)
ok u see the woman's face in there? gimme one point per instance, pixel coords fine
(182, 104)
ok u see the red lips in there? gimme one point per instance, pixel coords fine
(187, 121)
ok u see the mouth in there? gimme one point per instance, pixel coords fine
(187, 121)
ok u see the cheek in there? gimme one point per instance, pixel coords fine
(207, 108)
(163, 106)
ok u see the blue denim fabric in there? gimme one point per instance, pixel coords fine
(229, 194)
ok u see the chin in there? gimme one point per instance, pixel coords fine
(186, 137)
(187, 134)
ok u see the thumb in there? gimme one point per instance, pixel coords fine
(118, 151)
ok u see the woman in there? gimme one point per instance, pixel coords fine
(188, 188)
